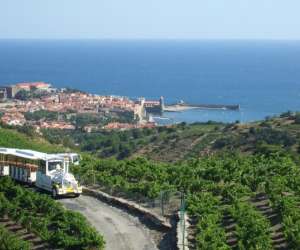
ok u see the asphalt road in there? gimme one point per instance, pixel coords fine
(121, 231)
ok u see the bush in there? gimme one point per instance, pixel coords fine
(272, 136)
(297, 118)
(253, 229)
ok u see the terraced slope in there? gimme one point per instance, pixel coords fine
(222, 191)
(45, 218)
(183, 141)
(229, 224)
(262, 203)
(21, 233)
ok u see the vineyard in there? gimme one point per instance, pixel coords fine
(43, 217)
(9, 241)
(234, 201)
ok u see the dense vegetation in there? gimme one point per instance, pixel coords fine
(215, 186)
(33, 93)
(48, 219)
(185, 141)
(8, 241)
(194, 175)
(253, 229)
(42, 114)
(220, 168)
(205, 207)
(284, 195)
(14, 139)
(154, 143)
(80, 120)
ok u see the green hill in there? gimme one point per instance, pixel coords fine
(241, 181)
(13, 139)
(183, 141)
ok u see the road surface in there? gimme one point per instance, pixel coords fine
(121, 231)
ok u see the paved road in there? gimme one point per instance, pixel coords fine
(120, 230)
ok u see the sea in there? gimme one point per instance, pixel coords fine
(263, 77)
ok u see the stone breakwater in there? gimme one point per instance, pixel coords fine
(184, 107)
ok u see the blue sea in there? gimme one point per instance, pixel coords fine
(263, 77)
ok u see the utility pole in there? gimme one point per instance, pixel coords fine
(94, 178)
(162, 202)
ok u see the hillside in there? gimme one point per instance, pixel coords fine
(271, 135)
(241, 181)
(182, 141)
(235, 201)
(32, 220)
(14, 139)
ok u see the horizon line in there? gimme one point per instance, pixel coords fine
(157, 39)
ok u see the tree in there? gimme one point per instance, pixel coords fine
(125, 151)
(297, 118)
(22, 95)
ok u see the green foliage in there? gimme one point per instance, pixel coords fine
(13, 139)
(8, 241)
(82, 120)
(215, 174)
(263, 140)
(272, 136)
(210, 183)
(281, 193)
(267, 149)
(124, 144)
(287, 114)
(22, 95)
(252, 227)
(47, 218)
(33, 93)
(58, 136)
(297, 118)
(206, 208)
(41, 114)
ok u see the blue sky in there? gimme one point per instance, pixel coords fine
(150, 19)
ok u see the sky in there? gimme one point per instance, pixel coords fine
(150, 19)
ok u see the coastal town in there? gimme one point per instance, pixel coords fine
(19, 102)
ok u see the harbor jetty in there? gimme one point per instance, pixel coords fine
(182, 106)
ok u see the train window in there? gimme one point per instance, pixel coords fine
(53, 165)
(75, 158)
(42, 167)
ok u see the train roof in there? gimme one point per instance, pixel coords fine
(30, 154)
(67, 154)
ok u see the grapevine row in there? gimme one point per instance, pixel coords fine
(39, 214)
(9, 241)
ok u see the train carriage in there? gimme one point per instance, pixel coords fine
(46, 171)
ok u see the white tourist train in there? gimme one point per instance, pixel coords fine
(46, 171)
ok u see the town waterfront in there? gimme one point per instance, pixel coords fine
(262, 77)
